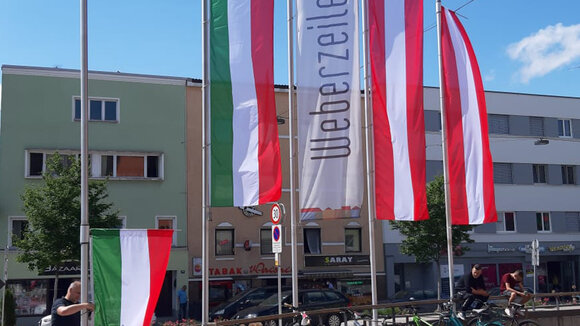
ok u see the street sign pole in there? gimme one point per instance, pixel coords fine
(277, 258)
(535, 262)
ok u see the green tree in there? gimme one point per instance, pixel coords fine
(427, 240)
(53, 210)
(9, 307)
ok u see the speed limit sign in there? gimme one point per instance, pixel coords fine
(275, 214)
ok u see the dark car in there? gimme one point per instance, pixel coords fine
(242, 301)
(308, 299)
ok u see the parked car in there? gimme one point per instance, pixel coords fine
(242, 301)
(308, 299)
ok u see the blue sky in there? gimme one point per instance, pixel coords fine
(523, 46)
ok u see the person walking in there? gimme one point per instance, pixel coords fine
(182, 302)
(66, 311)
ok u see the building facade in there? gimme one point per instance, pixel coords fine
(136, 141)
(535, 145)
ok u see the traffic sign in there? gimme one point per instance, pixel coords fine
(275, 214)
(276, 238)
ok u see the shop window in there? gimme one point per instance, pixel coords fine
(18, 228)
(539, 173)
(506, 222)
(266, 241)
(312, 242)
(99, 109)
(224, 242)
(543, 222)
(568, 175)
(30, 296)
(352, 240)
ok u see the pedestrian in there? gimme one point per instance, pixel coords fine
(182, 302)
(66, 311)
(471, 287)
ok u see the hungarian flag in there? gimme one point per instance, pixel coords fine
(128, 271)
(245, 151)
(396, 54)
(469, 161)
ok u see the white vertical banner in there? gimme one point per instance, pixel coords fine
(329, 109)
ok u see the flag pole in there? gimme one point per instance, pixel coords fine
(84, 229)
(369, 161)
(204, 155)
(290, 16)
(445, 149)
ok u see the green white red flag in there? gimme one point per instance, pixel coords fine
(245, 152)
(128, 271)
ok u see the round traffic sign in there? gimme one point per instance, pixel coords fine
(276, 233)
(275, 214)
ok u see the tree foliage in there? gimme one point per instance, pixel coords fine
(53, 211)
(427, 240)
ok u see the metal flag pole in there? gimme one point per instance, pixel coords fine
(4, 279)
(290, 16)
(369, 162)
(204, 147)
(444, 144)
(84, 230)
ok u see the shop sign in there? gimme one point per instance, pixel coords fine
(69, 268)
(528, 249)
(336, 260)
(565, 247)
(492, 249)
(257, 269)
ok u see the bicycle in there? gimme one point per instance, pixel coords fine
(299, 319)
(446, 318)
(354, 316)
(492, 316)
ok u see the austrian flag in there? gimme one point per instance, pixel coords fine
(396, 53)
(469, 160)
(245, 152)
(128, 271)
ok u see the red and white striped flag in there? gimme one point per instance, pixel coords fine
(468, 156)
(245, 151)
(396, 51)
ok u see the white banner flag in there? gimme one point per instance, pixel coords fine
(329, 109)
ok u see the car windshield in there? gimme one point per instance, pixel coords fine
(273, 299)
(232, 299)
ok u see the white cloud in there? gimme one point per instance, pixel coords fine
(489, 76)
(546, 50)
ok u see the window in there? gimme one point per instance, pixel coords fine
(99, 109)
(266, 241)
(30, 296)
(502, 173)
(167, 223)
(543, 221)
(539, 173)
(506, 222)
(224, 242)
(565, 128)
(18, 226)
(123, 165)
(572, 222)
(312, 241)
(536, 126)
(352, 240)
(498, 124)
(568, 175)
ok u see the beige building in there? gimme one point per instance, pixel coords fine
(329, 251)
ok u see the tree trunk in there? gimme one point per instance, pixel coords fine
(55, 294)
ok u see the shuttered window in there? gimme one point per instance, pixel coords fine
(537, 126)
(498, 124)
(572, 221)
(502, 173)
